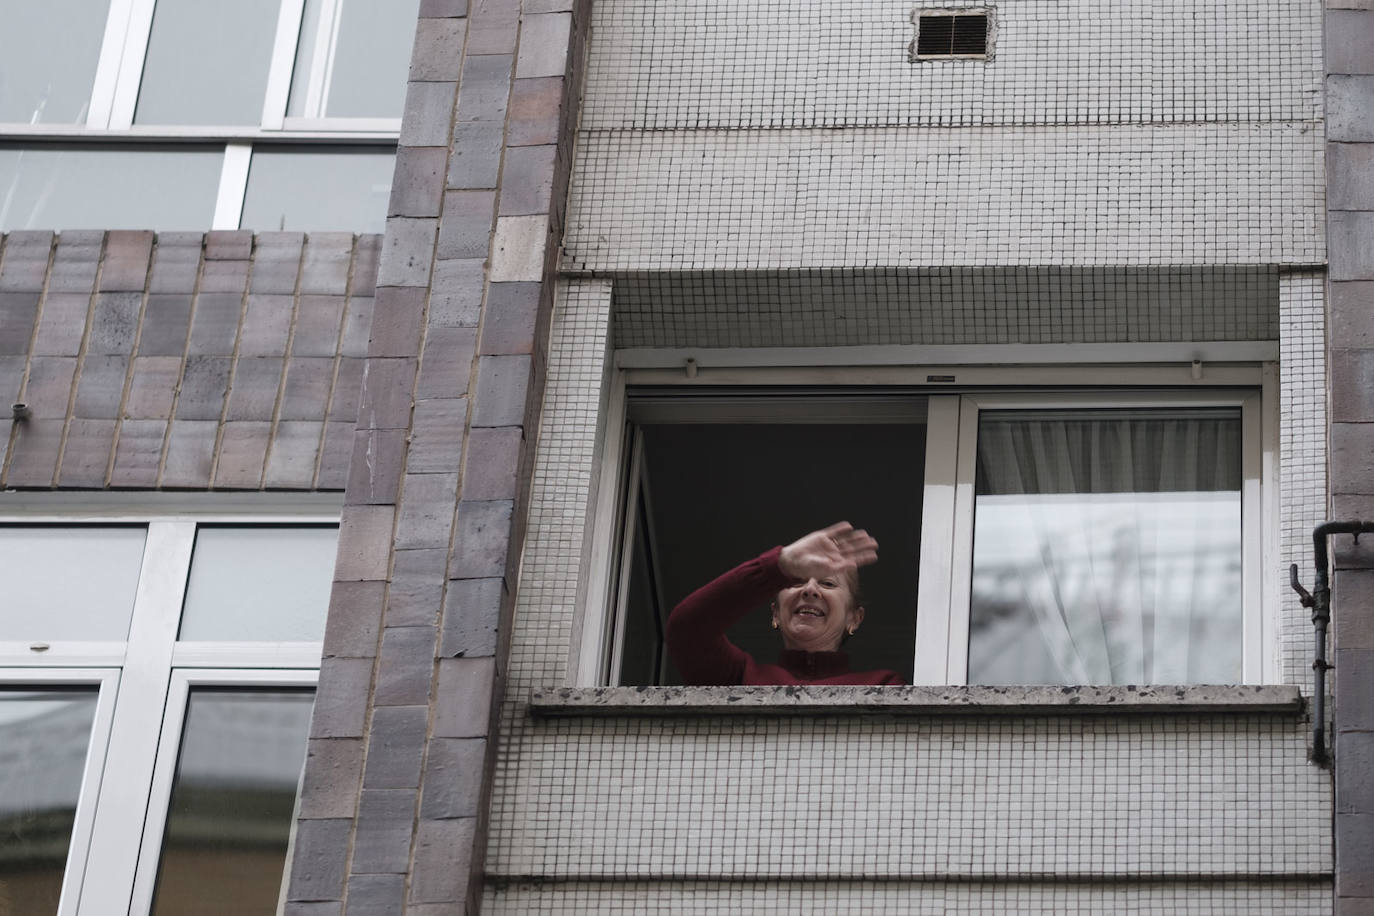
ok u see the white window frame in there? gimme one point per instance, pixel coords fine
(942, 621)
(118, 78)
(947, 511)
(169, 752)
(144, 672)
(106, 680)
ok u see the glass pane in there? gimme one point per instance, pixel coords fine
(207, 62)
(353, 64)
(336, 190)
(48, 602)
(108, 189)
(44, 736)
(229, 818)
(1107, 549)
(48, 56)
(268, 584)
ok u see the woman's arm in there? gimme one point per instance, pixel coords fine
(696, 627)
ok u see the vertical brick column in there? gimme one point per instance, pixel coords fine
(1350, 222)
(397, 778)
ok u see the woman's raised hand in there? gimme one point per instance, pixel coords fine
(828, 552)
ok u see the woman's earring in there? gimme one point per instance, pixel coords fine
(851, 630)
(775, 623)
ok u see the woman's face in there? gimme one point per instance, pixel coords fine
(815, 615)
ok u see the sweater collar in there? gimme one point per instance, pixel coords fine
(802, 664)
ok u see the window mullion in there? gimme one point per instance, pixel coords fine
(130, 72)
(1251, 539)
(632, 497)
(1271, 586)
(233, 184)
(594, 593)
(961, 567)
(283, 62)
(939, 552)
(164, 771)
(322, 61)
(138, 717)
(107, 69)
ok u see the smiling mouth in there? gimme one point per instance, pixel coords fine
(808, 611)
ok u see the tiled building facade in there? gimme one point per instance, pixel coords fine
(607, 213)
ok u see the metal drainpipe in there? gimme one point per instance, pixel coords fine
(1319, 600)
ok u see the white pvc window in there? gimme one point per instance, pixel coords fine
(1055, 538)
(48, 57)
(224, 791)
(283, 599)
(138, 737)
(1107, 547)
(217, 79)
(352, 59)
(305, 190)
(47, 602)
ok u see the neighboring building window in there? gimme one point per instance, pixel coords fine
(156, 683)
(181, 115)
(1024, 539)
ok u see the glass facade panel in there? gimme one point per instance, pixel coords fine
(263, 584)
(207, 63)
(337, 190)
(1107, 548)
(108, 189)
(44, 737)
(51, 601)
(353, 64)
(48, 56)
(229, 820)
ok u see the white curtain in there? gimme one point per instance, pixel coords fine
(1107, 548)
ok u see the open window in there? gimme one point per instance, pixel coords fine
(714, 481)
(1062, 537)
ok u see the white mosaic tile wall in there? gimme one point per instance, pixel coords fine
(796, 63)
(1030, 305)
(871, 197)
(857, 797)
(710, 814)
(1132, 176)
(1302, 458)
(566, 464)
(933, 898)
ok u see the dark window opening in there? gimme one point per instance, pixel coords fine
(709, 496)
(949, 35)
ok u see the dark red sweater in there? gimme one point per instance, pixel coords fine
(697, 643)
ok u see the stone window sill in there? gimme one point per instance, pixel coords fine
(913, 701)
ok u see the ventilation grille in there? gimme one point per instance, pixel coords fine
(951, 35)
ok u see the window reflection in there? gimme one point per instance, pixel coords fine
(49, 603)
(229, 821)
(48, 56)
(352, 59)
(207, 63)
(318, 191)
(263, 584)
(44, 736)
(108, 188)
(1107, 549)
